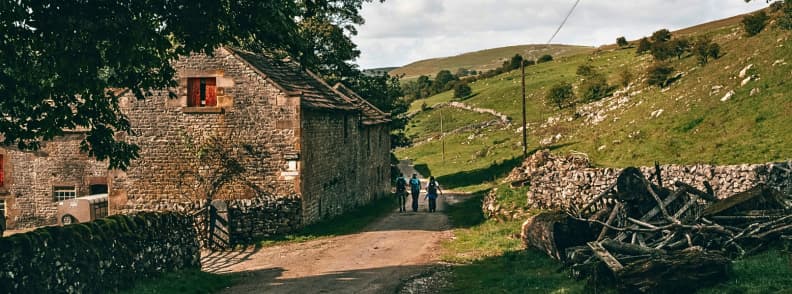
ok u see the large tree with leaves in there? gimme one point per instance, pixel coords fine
(61, 60)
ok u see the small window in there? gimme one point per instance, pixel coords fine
(201, 92)
(61, 193)
(97, 189)
(2, 209)
(100, 210)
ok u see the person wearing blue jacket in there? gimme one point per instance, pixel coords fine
(415, 188)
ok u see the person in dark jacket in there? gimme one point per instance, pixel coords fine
(415, 188)
(431, 193)
(401, 192)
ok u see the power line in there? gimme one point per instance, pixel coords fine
(563, 22)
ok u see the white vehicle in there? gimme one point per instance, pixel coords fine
(82, 209)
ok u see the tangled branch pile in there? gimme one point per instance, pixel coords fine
(640, 236)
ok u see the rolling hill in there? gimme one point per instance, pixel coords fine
(484, 59)
(736, 109)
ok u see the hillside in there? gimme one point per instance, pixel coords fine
(484, 59)
(686, 122)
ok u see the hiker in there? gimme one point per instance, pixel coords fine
(415, 188)
(431, 193)
(401, 192)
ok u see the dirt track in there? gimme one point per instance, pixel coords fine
(376, 260)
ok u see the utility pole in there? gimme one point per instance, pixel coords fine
(524, 129)
(442, 133)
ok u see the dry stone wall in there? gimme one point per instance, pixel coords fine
(253, 219)
(103, 256)
(558, 182)
(29, 179)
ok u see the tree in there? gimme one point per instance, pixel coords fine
(755, 23)
(704, 49)
(461, 72)
(443, 81)
(643, 46)
(622, 42)
(662, 50)
(785, 20)
(659, 75)
(514, 62)
(679, 47)
(545, 58)
(384, 92)
(560, 94)
(462, 90)
(662, 35)
(62, 60)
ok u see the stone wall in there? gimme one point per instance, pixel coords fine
(102, 256)
(345, 163)
(29, 179)
(558, 182)
(251, 111)
(252, 219)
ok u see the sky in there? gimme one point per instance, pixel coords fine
(398, 32)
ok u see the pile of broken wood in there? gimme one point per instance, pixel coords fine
(639, 236)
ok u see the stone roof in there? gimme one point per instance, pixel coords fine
(371, 114)
(297, 81)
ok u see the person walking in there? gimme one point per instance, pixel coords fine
(415, 188)
(401, 192)
(431, 193)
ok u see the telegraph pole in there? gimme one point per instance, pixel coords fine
(442, 133)
(524, 129)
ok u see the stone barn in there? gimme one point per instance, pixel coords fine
(310, 150)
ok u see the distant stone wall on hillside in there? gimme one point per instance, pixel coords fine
(558, 182)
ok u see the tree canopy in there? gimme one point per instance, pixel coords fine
(62, 60)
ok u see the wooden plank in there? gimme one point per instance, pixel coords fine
(603, 254)
(611, 217)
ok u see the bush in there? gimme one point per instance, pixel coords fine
(662, 51)
(595, 87)
(785, 21)
(755, 23)
(660, 74)
(622, 42)
(560, 94)
(545, 58)
(704, 49)
(462, 90)
(661, 36)
(643, 46)
(585, 70)
(679, 47)
(625, 77)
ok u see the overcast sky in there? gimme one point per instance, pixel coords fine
(398, 32)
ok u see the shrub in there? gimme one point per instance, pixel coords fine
(622, 42)
(785, 20)
(545, 58)
(643, 46)
(462, 90)
(704, 49)
(660, 74)
(661, 35)
(755, 23)
(661, 50)
(595, 87)
(625, 77)
(585, 70)
(560, 94)
(679, 47)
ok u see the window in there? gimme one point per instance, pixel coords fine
(97, 189)
(201, 92)
(100, 210)
(2, 208)
(61, 193)
(2, 172)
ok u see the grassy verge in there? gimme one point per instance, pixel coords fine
(492, 260)
(767, 272)
(189, 281)
(350, 222)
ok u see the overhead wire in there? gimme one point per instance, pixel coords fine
(563, 22)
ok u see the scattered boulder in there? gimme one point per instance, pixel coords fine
(728, 96)
(745, 70)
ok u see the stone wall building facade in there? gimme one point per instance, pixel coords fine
(298, 138)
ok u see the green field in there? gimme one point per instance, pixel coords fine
(484, 60)
(695, 126)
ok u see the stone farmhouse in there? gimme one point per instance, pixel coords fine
(323, 147)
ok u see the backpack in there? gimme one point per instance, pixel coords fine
(432, 188)
(415, 184)
(400, 183)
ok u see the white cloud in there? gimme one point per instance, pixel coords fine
(401, 31)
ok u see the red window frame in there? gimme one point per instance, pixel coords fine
(2, 171)
(202, 92)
